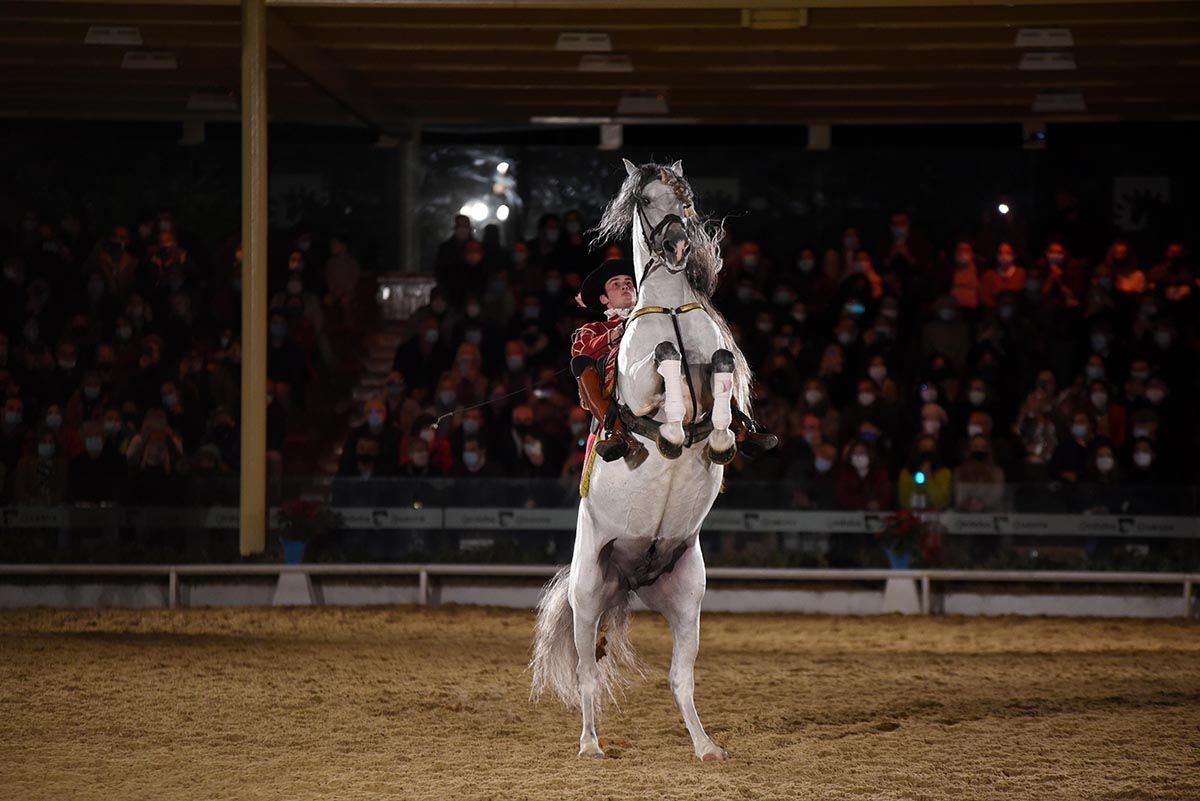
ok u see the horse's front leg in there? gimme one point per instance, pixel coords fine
(669, 364)
(677, 596)
(722, 444)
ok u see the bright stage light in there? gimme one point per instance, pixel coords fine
(502, 213)
(478, 211)
(1002, 208)
(502, 168)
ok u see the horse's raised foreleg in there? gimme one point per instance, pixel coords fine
(722, 445)
(669, 363)
(677, 596)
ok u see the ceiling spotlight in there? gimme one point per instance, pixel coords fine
(502, 168)
(502, 213)
(478, 212)
(1002, 208)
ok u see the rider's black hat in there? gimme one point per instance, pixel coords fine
(593, 286)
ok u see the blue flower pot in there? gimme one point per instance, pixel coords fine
(898, 560)
(293, 551)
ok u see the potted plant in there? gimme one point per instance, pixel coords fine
(300, 522)
(905, 534)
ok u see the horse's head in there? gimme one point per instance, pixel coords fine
(666, 210)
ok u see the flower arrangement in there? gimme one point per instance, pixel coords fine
(303, 521)
(908, 533)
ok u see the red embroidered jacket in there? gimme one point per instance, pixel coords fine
(601, 341)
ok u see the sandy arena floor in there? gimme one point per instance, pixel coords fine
(401, 703)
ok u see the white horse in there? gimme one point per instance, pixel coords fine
(640, 517)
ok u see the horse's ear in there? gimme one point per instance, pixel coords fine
(677, 168)
(630, 167)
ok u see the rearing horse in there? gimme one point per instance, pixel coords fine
(639, 518)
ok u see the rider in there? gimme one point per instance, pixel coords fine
(611, 288)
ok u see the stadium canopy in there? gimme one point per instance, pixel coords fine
(389, 63)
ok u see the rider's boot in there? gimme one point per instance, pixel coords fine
(750, 441)
(620, 443)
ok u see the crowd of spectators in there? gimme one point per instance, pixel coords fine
(898, 374)
(120, 357)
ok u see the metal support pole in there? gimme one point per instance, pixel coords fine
(925, 594)
(423, 588)
(253, 516)
(1187, 598)
(172, 590)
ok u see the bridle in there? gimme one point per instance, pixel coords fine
(657, 256)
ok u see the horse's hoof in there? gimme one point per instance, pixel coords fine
(716, 755)
(668, 449)
(721, 457)
(591, 751)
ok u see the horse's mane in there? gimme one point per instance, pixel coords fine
(616, 223)
(704, 263)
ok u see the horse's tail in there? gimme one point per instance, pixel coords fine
(555, 659)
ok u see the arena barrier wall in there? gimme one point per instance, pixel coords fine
(731, 589)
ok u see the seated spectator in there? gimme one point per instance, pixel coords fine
(41, 478)
(1006, 276)
(473, 461)
(155, 480)
(357, 484)
(978, 481)
(1073, 455)
(1100, 491)
(861, 483)
(924, 482)
(377, 427)
(96, 475)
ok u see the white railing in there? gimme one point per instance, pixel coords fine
(425, 573)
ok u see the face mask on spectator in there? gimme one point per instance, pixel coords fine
(112, 427)
(67, 364)
(91, 392)
(124, 333)
(1099, 399)
(1140, 432)
(1099, 342)
(473, 336)
(533, 448)
(1155, 395)
(822, 464)
(54, 421)
(750, 260)
(931, 427)
(1003, 261)
(473, 309)
(1079, 431)
(46, 450)
(279, 330)
(295, 286)
(878, 372)
(977, 397)
(1055, 259)
(745, 293)
(782, 297)
(94, 445)
(12, 418)
(866, 398)
(845, 338)
(1006, 311)
(471, 459)
(962, 259)
(426, 434)
(974, 430)
(169, 401)
(553, 285)
(446, 397)
(579, 428)
(514, 362)
(947, 314)
(813, 396)
(861, 462)
(551, 235)
(1094, 372)
(375, 419)
(470, 427)
(1104, 463)
(1162, 339)
(419, 459)
(929, 394)
(805, 265)
(1143, 459)
(850, 243)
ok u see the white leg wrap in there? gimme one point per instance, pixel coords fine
(722, 413)
(673, 386)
